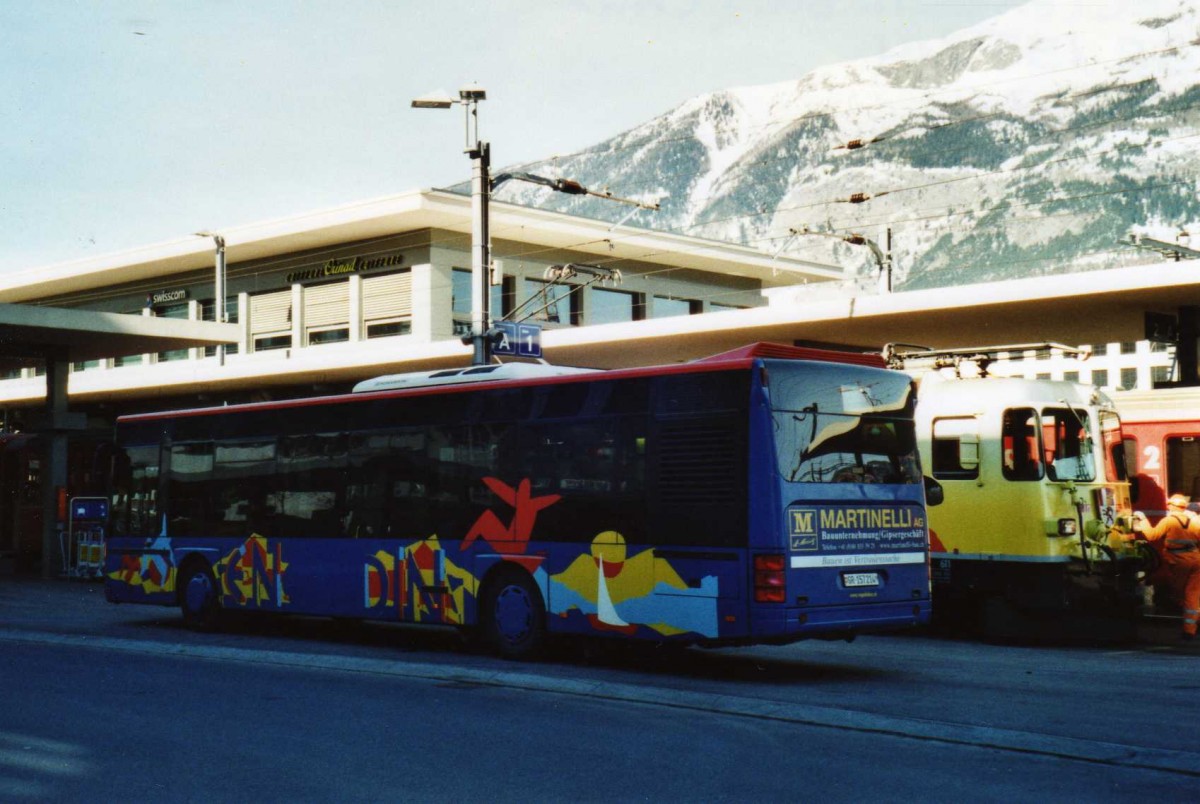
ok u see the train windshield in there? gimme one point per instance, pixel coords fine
(1067, 440)
(837, 425)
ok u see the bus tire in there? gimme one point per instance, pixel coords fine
(512, 614)
(198, 597)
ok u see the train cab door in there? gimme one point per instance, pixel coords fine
(1183, 465)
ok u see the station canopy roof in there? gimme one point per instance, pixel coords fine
(30, 334)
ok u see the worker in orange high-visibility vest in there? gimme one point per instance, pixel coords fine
(1177, 537)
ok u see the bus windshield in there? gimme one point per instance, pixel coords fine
(843, 427)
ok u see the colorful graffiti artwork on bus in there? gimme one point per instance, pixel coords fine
(421, 583)
(513, 537)
(252, 573)
(620, 593)
(151, 572)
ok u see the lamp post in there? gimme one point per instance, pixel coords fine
(482, 185)
(218, 288)
(480, 155)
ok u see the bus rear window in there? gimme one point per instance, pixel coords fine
(821, 448)
(834, 424)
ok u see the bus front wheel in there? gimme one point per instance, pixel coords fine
(512, 617)
(198, 598)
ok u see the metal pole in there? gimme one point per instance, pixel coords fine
(219, 293)
(480, 180)
(888, 257)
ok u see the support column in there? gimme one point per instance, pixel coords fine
(244, 339)
(355, 287)
(54, 476)
(1186, 352)
(298, 325)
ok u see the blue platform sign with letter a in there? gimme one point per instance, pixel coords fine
(518, 340)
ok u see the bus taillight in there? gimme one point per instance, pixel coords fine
(769, 581)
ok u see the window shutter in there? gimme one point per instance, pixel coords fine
(387, 296)
(326, 305)
(269, 312)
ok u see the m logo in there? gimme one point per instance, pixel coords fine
(802, 528)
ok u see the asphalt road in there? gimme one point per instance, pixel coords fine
(105, 703)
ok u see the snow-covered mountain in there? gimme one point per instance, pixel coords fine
(1030, 144)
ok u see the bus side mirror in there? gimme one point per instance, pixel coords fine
(934, 495)
(968, 451)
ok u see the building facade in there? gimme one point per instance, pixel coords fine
(1117, 366)
(326, 300)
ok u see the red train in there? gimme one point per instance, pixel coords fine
(1162, 446)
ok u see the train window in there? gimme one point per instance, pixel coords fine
(1069, 449)
(956, 448)
(1183, 466)
(1021, 441)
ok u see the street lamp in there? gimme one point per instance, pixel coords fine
(482, 185)
(480, 154)
(218, 288)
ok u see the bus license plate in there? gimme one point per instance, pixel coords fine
(855, 579)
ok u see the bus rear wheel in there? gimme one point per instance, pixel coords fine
(198, 598)
(512, 616)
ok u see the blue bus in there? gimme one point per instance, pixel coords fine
(765, 495)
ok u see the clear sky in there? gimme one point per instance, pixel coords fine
(130, 122)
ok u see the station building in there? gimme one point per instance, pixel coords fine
(319, 302)
(324, 300)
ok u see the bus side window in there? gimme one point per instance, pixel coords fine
(135, 492)
(386, 483)
(244, 488)
(1020, 437)
(189, 480)
(312, 470)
